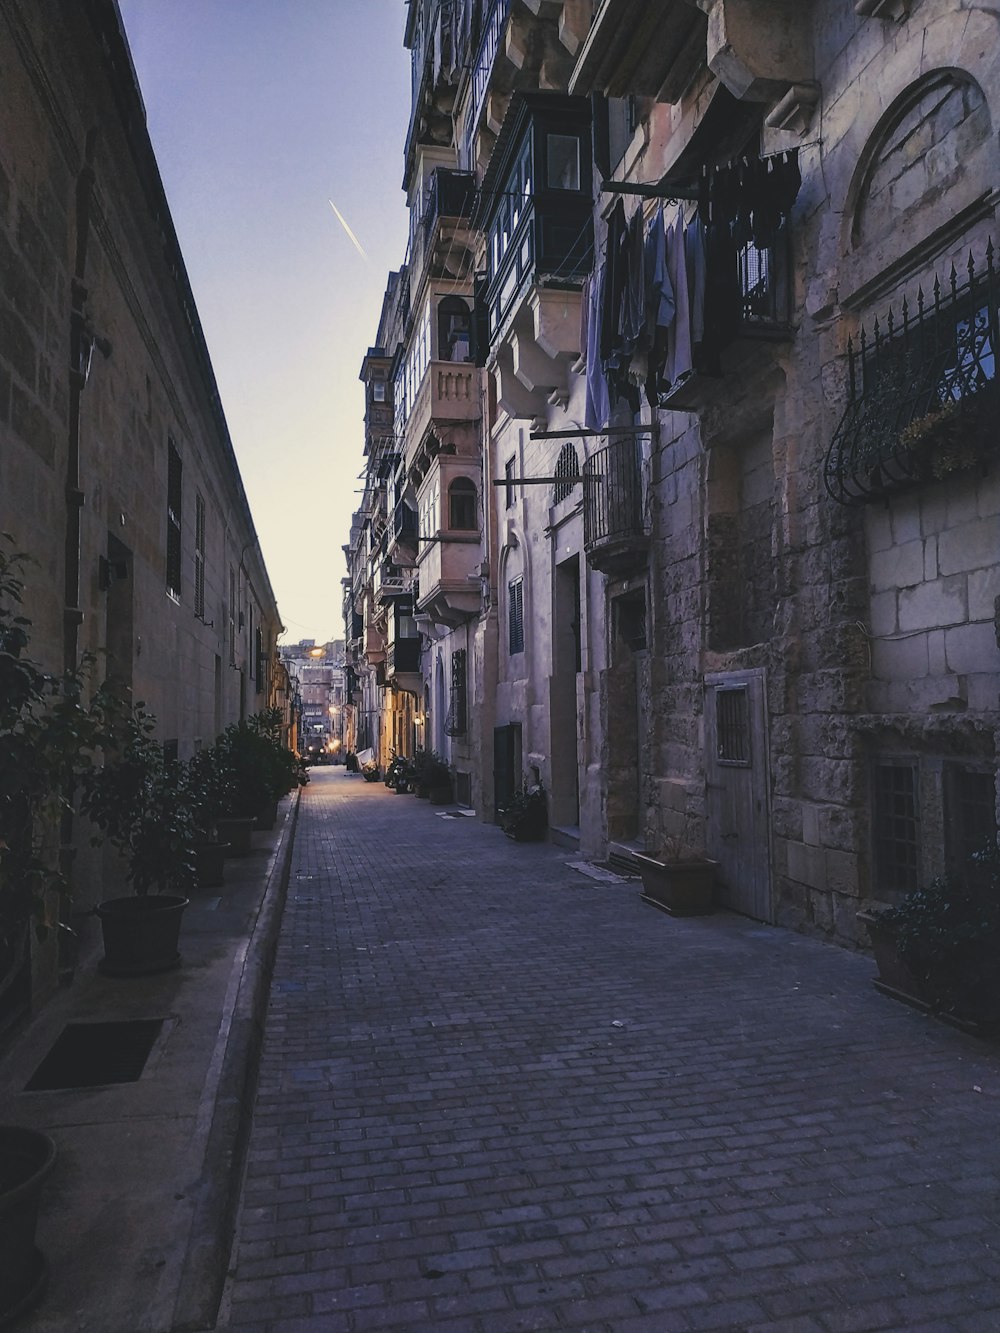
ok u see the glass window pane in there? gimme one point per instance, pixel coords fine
(563, 151)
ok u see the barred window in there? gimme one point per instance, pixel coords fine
(456, 721)
(970, 814)
(174, 497)
(515, 610)
(896, 826)
(199, 556)
(567, 472)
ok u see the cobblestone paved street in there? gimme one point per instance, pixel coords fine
(499, 1095)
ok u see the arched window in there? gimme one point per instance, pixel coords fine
(567, 472)
(454, 323)
(462, 505)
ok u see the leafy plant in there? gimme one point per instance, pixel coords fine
(257, 768)
(524, 816)
(49, 738)
(139, 801)
(207, 782)
(948, 934)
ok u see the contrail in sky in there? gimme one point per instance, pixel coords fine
(343, 222)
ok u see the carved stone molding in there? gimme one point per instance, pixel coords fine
(795, 111)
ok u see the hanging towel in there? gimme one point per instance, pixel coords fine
(680, 360)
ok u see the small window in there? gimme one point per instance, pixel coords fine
(897, 827)
(378, 391)
(199, 556)
(454, 329)
(970, 814)
(508, 473)
(515, 610)
(455, 723)
(462, 505)
(174, 499)
(563, 161)
(732, 725)
(567, 472)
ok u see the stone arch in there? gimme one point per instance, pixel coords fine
(916, 155)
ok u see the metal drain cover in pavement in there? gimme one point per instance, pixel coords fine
(87, 1055)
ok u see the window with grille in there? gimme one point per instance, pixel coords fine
(232, 615)
(462, 505)
(970, 814)
(199, 556)
(456, 721)
(567, 472)
(515, 614)
(896, 826)
(174, 496)
(732, 726)
(259, 659)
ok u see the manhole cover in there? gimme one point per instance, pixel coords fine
(87, 1055)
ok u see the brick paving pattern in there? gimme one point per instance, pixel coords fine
(497, 1095)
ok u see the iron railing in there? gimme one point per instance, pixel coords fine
(922, 391)
(450, 194)
(612, 493)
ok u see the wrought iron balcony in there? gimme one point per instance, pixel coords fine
(923, 392)
(613, 532)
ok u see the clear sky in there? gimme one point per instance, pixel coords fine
(260, 112)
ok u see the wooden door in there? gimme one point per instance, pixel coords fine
(738, 827)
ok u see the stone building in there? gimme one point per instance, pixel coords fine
(735, 574)
(117, 472)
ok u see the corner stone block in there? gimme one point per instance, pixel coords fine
(807, 865)
(931, 605)
(971, 649)
(972, 546)
(900, 659)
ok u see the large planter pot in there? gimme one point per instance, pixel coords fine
(141, 934)
(238, 832)
(210, 864)
(26, 1158)
(267, 818)
(894, 976)
(682, 888)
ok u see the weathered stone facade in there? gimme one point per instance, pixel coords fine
(117, 473)
(785, 654)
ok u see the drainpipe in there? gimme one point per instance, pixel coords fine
(82, 341)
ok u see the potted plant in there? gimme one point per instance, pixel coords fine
(524, 817)
(678, 880)
(278, 765)
(206, 784)
(938, 947)
(437, 779)
(139, 802)
(48, 738)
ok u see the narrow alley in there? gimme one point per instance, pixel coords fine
(498, 1094)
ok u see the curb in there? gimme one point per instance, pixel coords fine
(229, 1098)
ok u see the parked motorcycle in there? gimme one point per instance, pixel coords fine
(368, 765)
(399, 774)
